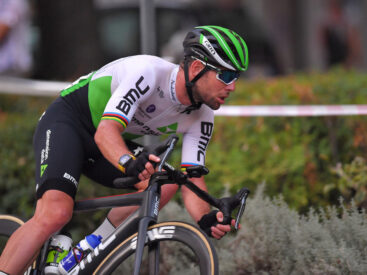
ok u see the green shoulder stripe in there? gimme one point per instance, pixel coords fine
(81, 82)
(99, 92)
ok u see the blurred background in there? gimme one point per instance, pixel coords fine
(72, 37)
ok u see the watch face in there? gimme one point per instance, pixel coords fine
(124, 159)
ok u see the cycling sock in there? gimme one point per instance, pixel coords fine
(3, 273)
(105, 229)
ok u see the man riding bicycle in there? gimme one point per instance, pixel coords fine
(81, 132)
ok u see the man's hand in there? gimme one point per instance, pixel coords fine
(149, 167)
(210, 223)
(143, 166)
(219, 230)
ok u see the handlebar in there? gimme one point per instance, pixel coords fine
(165, 148)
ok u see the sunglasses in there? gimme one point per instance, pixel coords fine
(226, 76)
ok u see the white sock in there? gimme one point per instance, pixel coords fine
(105, 229)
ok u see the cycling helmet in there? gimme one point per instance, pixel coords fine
(216, 46)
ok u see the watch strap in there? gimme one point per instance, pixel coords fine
(122, 164)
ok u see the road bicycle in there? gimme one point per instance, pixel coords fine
(141, 228)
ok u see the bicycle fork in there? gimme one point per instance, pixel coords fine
(142, 236)
(151, 210)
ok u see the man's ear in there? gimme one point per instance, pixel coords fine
(195, 67)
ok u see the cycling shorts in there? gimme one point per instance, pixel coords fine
(64, 149)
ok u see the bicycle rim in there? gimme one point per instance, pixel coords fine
(184, 249)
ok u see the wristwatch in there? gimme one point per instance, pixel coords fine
(124, 160)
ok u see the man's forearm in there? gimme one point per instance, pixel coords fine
(109, 141)
(195, 205)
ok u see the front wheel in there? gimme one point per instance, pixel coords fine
(8, 225)
(183, 249)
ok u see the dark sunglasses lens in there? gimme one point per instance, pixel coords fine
(229, 76)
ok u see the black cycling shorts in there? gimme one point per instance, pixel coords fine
(64, 149)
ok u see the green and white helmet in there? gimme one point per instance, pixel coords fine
(217, 46)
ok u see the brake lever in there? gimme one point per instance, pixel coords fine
(243, 198)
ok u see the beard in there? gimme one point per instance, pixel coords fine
(210, 102)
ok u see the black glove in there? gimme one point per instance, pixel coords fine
(207, 221)
(134, 167)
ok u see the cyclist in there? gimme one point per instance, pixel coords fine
(135, 96)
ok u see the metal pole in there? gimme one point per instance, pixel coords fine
(148, 41)
(147, 27)
(364, 34)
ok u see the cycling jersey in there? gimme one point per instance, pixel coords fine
(139, 93)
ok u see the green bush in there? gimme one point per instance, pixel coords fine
(351, 181)
(18, 119)
(295, 156)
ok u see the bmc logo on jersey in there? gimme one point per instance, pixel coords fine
(206, 133)
(132, 96)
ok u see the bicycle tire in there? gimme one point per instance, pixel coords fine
(8, 224)
(185, 233)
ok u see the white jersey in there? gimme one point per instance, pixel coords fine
(139, 93)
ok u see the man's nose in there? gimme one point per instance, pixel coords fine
(231, 87)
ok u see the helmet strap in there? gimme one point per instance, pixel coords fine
(189, 84)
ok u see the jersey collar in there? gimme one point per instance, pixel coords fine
(172, 86)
